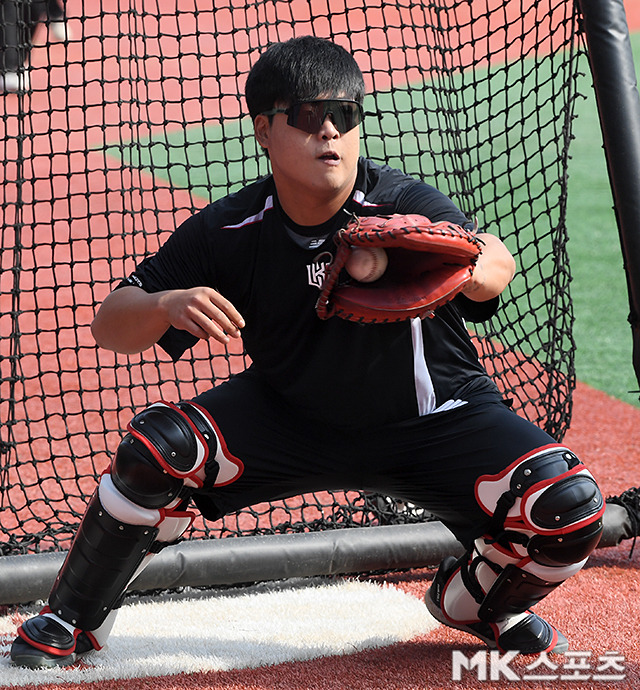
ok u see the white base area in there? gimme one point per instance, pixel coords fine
(273, 623)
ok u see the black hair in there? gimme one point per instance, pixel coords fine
(302, 69)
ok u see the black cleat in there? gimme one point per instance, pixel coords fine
(45, 643)
(530, 635)
(629, 527)
(23, 654)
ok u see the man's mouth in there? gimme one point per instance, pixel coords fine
(329, 156)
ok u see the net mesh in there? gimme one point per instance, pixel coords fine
(128, 116)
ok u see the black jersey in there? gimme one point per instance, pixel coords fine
(335, 371)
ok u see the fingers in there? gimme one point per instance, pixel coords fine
(216, 317)
(222, 314)
(205, 313)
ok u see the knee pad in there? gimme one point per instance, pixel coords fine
(162, 456)
(545, 507)
(168, 452)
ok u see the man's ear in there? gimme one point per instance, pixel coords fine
(261, 129)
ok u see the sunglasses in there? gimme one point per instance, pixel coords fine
(309, 116)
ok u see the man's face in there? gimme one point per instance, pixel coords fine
(311, 171)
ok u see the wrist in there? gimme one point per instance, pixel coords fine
(477, 282)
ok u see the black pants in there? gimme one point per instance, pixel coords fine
(18, 22)
(432, 461)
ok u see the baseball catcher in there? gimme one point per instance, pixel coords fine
(389, 396)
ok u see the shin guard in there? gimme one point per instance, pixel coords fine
(170, 450)
(103, 557)
(546, 517)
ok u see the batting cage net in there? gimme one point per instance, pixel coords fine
(126, 117)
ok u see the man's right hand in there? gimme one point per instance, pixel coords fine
(203, 312)
(131, 320)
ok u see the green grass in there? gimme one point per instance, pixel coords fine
(197, 158)
(203, 158)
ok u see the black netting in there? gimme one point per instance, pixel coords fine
(128, 116)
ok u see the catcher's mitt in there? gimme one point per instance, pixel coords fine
(428, 264)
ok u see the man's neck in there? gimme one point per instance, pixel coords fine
(306, 208)
(315, 212)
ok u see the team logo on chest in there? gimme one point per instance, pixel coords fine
(317, 270)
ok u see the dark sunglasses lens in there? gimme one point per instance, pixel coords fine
(309, 117)
(306, 116)
(345, 116)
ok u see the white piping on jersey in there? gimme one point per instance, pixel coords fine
(358, 197)
(268, 204)
(425, 393)
(449, 405)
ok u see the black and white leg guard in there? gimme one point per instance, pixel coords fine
(546, 517)
(137, 509)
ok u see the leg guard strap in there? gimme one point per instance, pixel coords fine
(514, 591)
